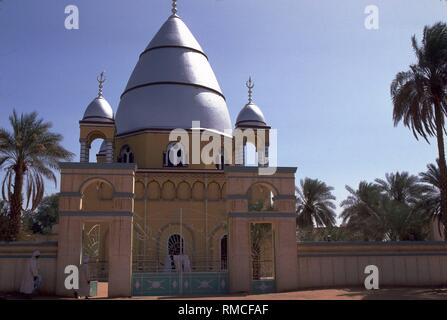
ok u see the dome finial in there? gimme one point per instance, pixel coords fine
(174, 7)
(250, 85)
(101, 79)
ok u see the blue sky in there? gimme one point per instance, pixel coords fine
(322, 79)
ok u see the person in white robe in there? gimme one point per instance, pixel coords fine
(167, 267)
(186, 263)
(178, 263)
(31, 275)
(182, 263)
(84, 278)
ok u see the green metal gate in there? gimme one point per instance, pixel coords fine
(179, 283)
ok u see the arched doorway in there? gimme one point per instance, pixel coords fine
(175, 245)
(182, 272)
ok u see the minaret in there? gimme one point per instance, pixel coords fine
(97, 123)
(251, 117)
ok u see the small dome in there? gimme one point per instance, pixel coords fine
(250, 116)
(99, 110)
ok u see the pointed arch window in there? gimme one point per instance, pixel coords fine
(220, 160)
(126, 155)
(175, 155)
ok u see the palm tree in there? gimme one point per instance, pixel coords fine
(419, 95)
(431, 201)
(28, 154)
(315, 204)
(45, 216)
(3, 217)
(373, 214)
(361, 214)
(432, 176)
(259, 233)
(401, 187)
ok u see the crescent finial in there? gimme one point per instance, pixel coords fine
(250, 85)
(101, 79)
(174, 7)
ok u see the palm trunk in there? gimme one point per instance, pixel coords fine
(439, 119)
(256, 257)
(16, 205)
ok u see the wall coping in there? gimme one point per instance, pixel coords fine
(262, 214)
(246, 197)
(180, 170)
(95, 214)
(92, 165)
(51, 243)
(369, 243)
(114, 195)
(332, 249)
(256, 169)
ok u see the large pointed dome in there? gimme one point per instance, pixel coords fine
(172, 85)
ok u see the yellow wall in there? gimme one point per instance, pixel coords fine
(91, 132)
(163, 201)
(14, 258)
(400, 264)
(148, 149)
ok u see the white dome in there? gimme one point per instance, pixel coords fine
(172, 85)
(250, 116)
(99, 110)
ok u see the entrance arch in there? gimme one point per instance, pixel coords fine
(175, 245)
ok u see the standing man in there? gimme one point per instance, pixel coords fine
(84, 279)
(31, 277)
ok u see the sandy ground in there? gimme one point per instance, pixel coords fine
(327, 294)
(333, 294)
